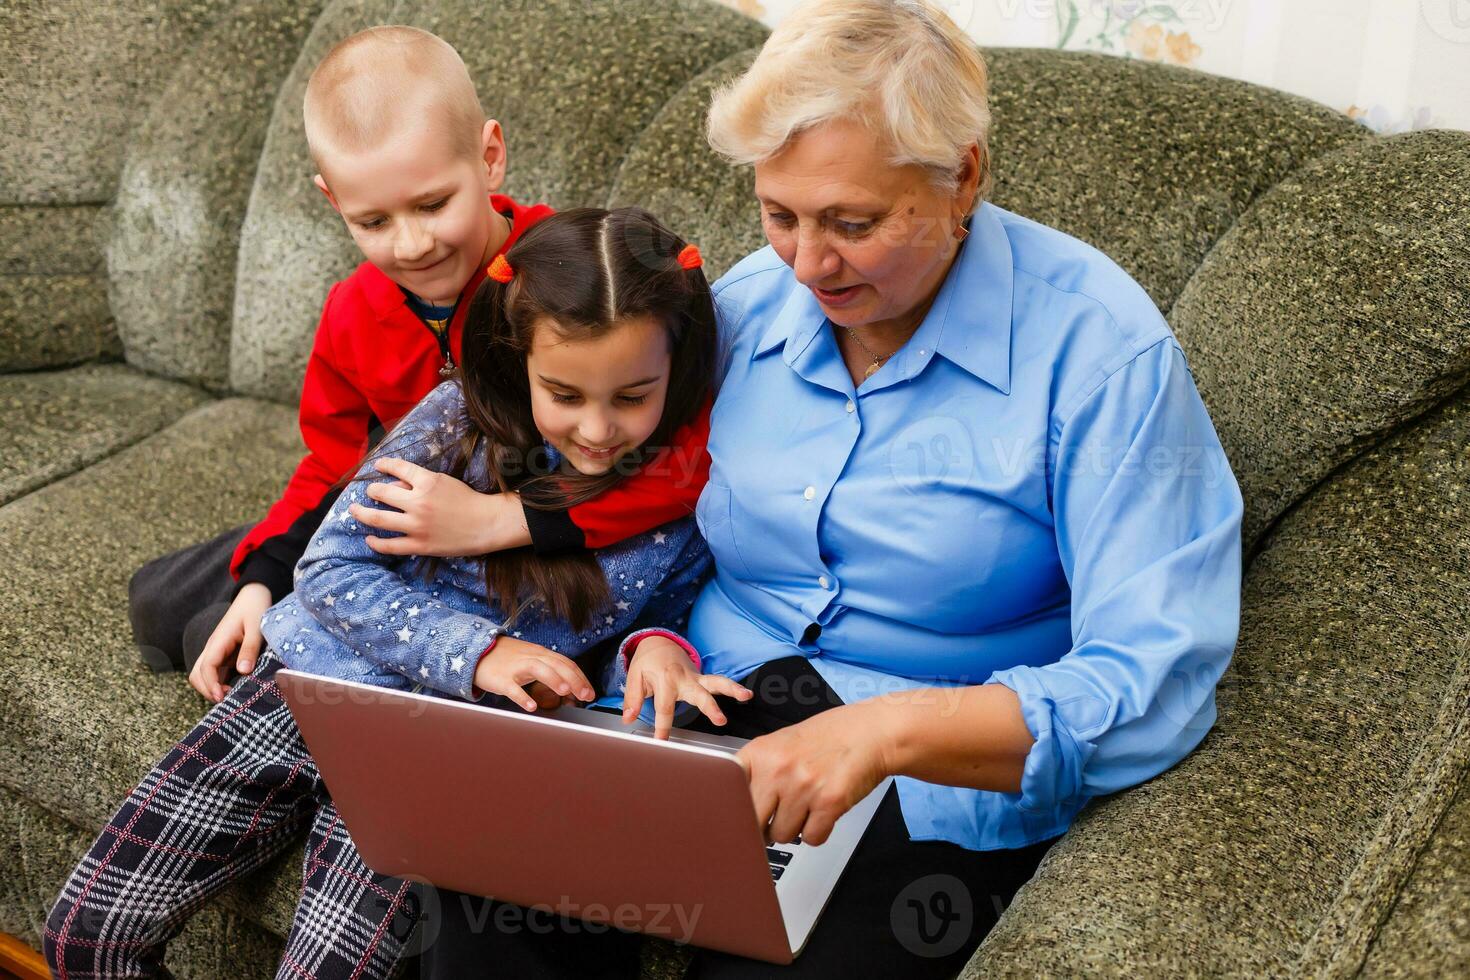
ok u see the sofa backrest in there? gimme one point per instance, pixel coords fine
(1336, 308)
(77, 77)
(572, 82)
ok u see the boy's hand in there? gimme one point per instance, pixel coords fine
(238, 630)
(512, 662)
(438, 515)
(661, 669)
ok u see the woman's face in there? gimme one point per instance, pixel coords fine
(601, 398)
(871, 241)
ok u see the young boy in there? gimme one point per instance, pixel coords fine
(420, 202)
(409, 162)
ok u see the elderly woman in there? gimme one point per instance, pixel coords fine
(971, 522)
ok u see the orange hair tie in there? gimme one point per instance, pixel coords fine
(689, 257)
(500, 270)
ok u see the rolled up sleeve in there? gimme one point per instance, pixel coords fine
(1147, 515)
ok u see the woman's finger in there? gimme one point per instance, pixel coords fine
(787, 821)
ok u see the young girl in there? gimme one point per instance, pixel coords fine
(590, 344)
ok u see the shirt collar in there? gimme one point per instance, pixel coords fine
(968, 325)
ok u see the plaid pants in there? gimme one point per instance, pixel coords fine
(227, 798)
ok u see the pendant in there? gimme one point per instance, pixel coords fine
(872, 370)
(447, 369)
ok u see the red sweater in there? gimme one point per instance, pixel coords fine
(373, 359)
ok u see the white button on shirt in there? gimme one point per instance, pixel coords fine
(809, 492)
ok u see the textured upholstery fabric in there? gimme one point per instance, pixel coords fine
(1317, 276)
(53, 287)
(172, 252)
(1337, 307)
(1148, 162)
(1278, 846)
(76, 77)
(55, 422)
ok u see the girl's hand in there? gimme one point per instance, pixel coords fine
(438, 515)
(661, 669)
(512, 663)
(803, 777)
(239, 630)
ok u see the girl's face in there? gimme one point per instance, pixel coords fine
(598, 399)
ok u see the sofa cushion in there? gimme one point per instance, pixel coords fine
(1151, 163)
(56, 422)
(1337, 307)
(175, 228)
(1427, 928)
(82, 718)
(671, 170)
(1339, 744)
(53, 287)
(77, 77)
(567, 120)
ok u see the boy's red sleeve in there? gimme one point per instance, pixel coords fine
(663, 490)
(336, 420)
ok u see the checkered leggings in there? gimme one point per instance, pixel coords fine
(227, 798)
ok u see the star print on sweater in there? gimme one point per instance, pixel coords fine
(359, 615)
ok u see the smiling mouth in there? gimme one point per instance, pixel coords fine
(597, 453)
(426, 268)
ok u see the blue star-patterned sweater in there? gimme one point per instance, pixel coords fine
(359, 615)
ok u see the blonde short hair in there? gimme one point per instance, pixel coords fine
(386, 79)
(903, 68)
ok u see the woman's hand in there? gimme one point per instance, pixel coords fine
(512, 663)
(239, 630)
(803, 777)
(438, 515)
(660, 669)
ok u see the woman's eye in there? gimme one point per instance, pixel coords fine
(854, 229)
(779, 218)
(373, 225)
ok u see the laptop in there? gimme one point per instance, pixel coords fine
(568, 810)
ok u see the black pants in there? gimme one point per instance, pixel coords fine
(175, 601)
(902, 908)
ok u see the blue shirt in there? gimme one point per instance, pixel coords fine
(1030, 492)
(380, 619)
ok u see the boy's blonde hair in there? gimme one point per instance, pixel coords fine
(903, 68)
(385, 79)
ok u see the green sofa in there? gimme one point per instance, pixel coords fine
(163, 257)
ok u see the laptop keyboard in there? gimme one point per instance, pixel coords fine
(779, 859)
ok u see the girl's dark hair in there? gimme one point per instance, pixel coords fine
(580, 273)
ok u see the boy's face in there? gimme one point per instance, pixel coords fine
(598, 399)
(419, 213)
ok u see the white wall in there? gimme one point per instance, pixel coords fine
(1391, 64)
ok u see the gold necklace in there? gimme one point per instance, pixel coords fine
(877, 358)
